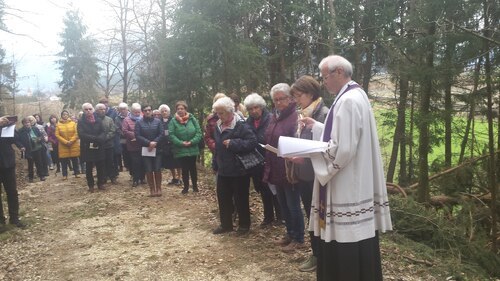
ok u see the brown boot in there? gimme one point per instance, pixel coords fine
(151, 182)
(158, 183)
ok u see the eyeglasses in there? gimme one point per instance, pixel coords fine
(277, 100)
(329, 74)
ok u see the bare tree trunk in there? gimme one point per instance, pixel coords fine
(333, 25)
(492, 182)
(470, 117)
(448, 106)
(423, 194)
(399, 131)
(358, 44)
(411, 164)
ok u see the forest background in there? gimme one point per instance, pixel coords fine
(439, 127)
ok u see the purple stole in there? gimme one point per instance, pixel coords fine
(326, 137)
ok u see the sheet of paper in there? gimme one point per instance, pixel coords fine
(146, 152)
(270, 148)
(8, 132)
(295, 147)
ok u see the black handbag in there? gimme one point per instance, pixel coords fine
(250, 159)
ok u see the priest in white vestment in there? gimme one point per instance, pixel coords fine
(350, 204)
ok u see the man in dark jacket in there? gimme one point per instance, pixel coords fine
(8, 175)
(92, 139)
(110, 130)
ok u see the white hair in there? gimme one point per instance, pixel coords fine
(123, 105)
(87, 104)
(135, 107)
(333, 62)
(254, 99)
(225, 103)
(164, 106)
(100, 106)
(280, 87)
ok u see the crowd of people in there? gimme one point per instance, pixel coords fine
(341, 190)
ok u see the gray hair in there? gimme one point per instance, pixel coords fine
(100, 106)
(123, 105)
(135, 107)
(164, 106)
(333, 62)
(225, 103)
(280, 87)
(87, 104)
(254, 99)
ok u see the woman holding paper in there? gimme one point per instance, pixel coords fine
(306, 91)
(148, 132)
(284, 123)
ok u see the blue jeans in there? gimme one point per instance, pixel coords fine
(289, 199)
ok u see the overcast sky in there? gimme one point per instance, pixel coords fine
(38, 24)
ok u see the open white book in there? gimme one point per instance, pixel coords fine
(270, 148)
(295, 147)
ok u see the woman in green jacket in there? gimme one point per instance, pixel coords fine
(185, 134)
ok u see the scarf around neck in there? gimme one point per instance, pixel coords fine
(182, 120)
(135, 118)
(309, 110)
(90, 118)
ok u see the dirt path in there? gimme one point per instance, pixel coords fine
(121, 234)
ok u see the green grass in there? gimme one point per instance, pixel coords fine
(386, 122)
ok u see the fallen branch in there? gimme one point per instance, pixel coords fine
(450, 170)
(394, 188)
(427, 263)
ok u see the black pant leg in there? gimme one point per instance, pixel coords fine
(225, 201)
(241, 187)
(110, 167)
(37, 158)
(89, 168)
(193, 171)
(101, 171)
(8, 180)
(76, 165)
(31, 172)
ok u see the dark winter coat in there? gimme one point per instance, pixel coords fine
(260, 131)
(210, 130)
(242, 140)
(119, 138)
(7, 155)
(128, 130)
(26, 141)
(148, 130)
(109, 127)
(283, 125)
(92, 139)
(165, 144)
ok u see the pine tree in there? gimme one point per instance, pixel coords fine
(78, 64)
